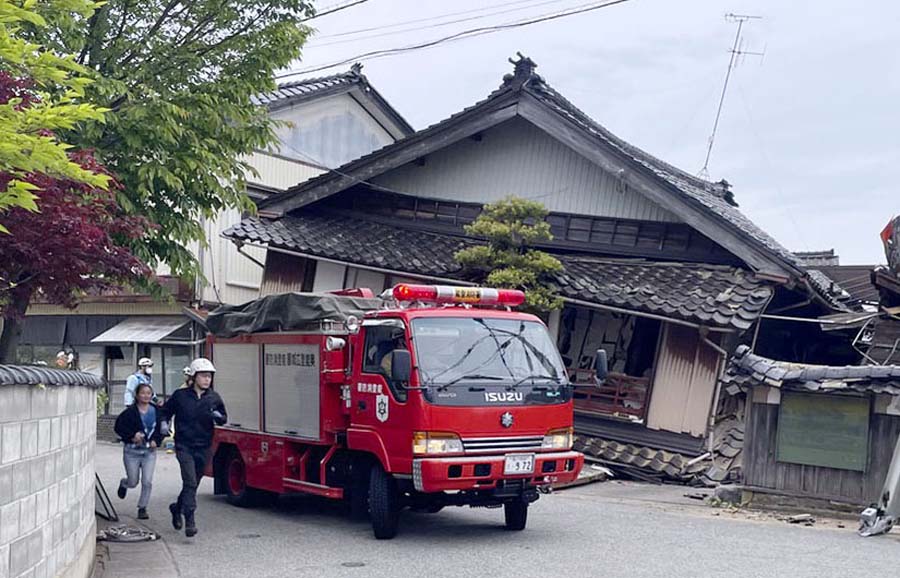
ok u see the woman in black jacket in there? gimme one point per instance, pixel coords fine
(140, 427)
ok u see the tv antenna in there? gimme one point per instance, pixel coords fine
(737, 55)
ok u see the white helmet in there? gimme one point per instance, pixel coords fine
(187, 371)
(202, 364)
(145, 362)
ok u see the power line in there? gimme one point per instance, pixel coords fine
(458, 36)
(335, 8)
(419, 20)
(437, 25)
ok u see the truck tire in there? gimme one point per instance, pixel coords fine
(384, 504)
(516, 515)
(237, 492)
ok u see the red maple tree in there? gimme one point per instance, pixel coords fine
(76, 243)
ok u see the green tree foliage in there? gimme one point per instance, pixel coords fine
(48, 90)
(510, 226)
(179, 79)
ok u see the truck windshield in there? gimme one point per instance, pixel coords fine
(473, 361)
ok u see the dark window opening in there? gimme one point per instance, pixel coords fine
(380, 342)
(630, 343)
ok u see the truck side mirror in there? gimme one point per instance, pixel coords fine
(401, 365)
(601, 369)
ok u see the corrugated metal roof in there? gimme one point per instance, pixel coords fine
(34, 375)
(141, 330)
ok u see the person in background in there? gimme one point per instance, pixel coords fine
(66, 360)
(397, 341)
(144, 374)
(196, 410)
(140, 427)
(187, 376)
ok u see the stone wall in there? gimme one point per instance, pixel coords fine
(47, 437)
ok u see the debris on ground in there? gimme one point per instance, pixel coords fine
(589, 474)
(696, 495)
(126, 534)
(729, 494)
(805, 519)
(634, 461)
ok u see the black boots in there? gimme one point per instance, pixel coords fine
(121, 491)
(190, 528)
(176, 516)
(142, 514)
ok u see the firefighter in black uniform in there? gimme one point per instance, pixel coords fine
(196, 410)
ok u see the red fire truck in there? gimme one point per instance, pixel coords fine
(430, 396)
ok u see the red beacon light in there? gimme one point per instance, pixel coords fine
(449, 294)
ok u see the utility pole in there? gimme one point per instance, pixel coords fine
(735, 51)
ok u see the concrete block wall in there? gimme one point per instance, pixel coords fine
(47, 438)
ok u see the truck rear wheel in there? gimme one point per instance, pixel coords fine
(237, 492)
(384, 504)
(516, 515)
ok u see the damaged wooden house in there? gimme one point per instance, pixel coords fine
(662, 270)
(813, 431)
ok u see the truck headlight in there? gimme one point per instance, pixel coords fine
(558, 439)
(429, 442)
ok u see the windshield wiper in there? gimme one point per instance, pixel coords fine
(552, 378)
(468, 376)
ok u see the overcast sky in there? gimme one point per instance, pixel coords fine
(809, 136)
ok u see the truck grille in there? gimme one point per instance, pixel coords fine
(502, 445)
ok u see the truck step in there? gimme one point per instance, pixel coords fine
(311, 488)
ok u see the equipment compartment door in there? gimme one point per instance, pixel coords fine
(291, 389)
(237, 381)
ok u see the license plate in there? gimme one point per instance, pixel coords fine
(519, 464)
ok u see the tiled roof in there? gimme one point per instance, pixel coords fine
(855, 280)
(290, 93)
(36, 375)
(355, 241)
(827, 288)
(653, 462)
(309, 87)
(704, 294)
(747, 369)
(714, 197)
(723, 464)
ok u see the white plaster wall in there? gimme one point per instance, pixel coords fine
(47, 440)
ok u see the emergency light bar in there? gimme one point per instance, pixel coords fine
(448, 294)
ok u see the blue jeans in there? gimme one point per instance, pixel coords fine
(139, 465)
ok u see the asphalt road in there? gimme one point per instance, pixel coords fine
(605, 529)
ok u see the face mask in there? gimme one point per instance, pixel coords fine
(148, 370)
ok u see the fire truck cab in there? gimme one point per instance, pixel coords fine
(430, 396)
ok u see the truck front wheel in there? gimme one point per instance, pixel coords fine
(384, 503)
(516, 515)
